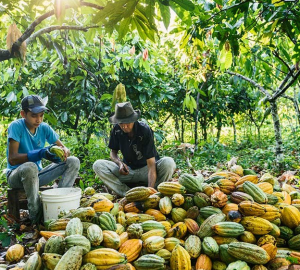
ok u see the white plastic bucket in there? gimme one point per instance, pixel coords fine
(59, 199)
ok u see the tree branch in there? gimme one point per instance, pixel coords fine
(250, 115)
(276, 54)
(287, 77)
(87, 4)
(5, 54)
(162, 124)
(59, 27)
(270, 65)
(82, 65)
(263, 90)
(282, 89)
(225, 9)
(287, 97)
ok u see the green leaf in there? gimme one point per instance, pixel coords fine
(124, 26)
(158, 137)
(141, 16)
(228, 59)
(90, 35)
(64, 117)
(17, 71)
(11, 97)
(184, 40)
(293, 260)
(286, 54)
(81, 184)
(25, 91)
(225, 59)
(202, 92)
(130, 7)
(25, 70)
(77, 78)
(193, 101)
(136, 62)
(185, 4)
(59, 50)
(3, 222)
(106, 97)
(165, 14)
(149, 11)
(146, 65)
(5, 239)
(278, 3)
(139, 28)
(51, 118)
(142, 98)
(115, 11)
(145, 28)
(219, 2)
(177, 30)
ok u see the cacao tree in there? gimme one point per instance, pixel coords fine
(256, 42)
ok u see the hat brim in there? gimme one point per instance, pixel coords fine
(132, 118)
(38, 109)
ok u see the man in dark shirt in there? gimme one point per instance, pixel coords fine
(141, 164)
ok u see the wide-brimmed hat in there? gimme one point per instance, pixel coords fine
(124, 113)
(34, 104)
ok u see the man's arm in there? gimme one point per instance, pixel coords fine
(15, 158)
(116, 159)
(152, 174)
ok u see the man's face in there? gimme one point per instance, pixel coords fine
(33, 120)
(126, 127)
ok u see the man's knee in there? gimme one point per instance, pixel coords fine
(168, 163)
(74, 162)
(99, 165)
(29, 172)
(29, 169)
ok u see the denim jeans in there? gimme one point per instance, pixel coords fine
(28, 177)
(108, 172)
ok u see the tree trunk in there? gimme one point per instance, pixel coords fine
(205, 133)
(196, 121)
(219, 128)
(177, 129)
(277, 131)
(296, 106)
(234, 129)
(182, 130)
(258, 133)
(203, 123)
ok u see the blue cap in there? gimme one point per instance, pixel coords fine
(34, 104)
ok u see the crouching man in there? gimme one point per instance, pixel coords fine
(141, 164)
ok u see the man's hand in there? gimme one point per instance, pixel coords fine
(67, 152)
(60, 151)
(52, 157)
(39, 154)
(124, 170)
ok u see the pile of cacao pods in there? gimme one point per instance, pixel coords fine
(231, 220)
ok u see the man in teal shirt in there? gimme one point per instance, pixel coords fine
(26, 148)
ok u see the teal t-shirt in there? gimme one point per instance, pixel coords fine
(19, 132)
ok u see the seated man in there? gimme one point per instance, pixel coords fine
(25, 150)
(141, 165)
